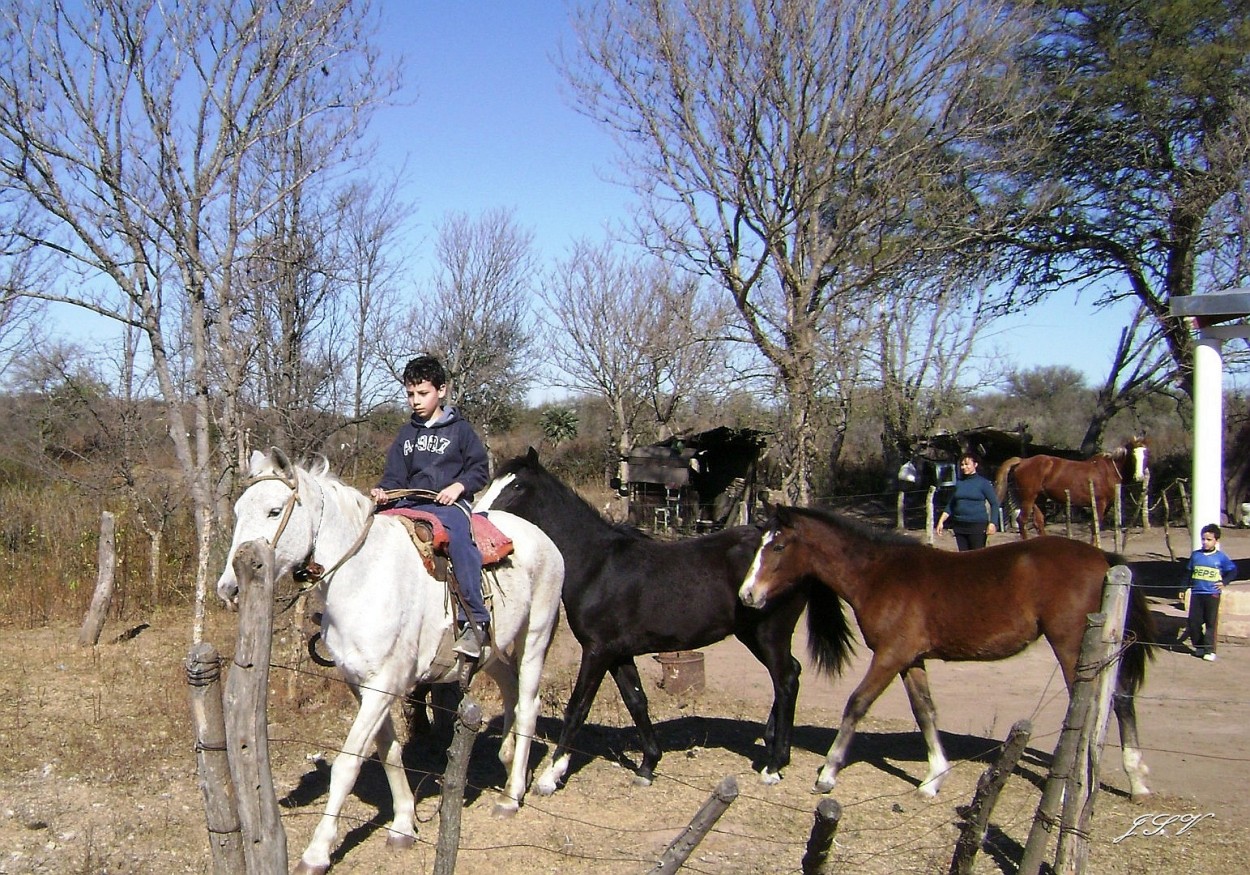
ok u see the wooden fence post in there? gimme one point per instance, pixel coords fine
(451, 805)
(825, 826)
(1078, 801)
(1067, 503)
(106, 564)
(900, 516)
(1145, 500)
(1063, 761)
(680, 848)
(209, 725)
(246, 704)
(989, 785)
(928, 515)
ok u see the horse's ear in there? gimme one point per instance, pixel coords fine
(254, 463)
(782, 515)
(768, 506)
(532, 456)
(320, 465)
(281, 462)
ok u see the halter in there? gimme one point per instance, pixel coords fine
(292, 484)
(309, 573)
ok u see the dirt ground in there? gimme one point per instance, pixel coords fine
(97, 771)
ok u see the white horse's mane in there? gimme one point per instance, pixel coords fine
(318, 469)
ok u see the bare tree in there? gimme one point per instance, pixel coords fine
(797, 153)
(370, 268)
(923, 343)
(476, 314)
(133, 131)
(635, 334)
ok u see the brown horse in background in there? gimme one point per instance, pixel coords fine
(1060, 479)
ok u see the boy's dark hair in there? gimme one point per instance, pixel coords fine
(1212, 528)
(425, 367)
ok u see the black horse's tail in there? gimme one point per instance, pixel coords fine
(1140, 636)
(830, 639)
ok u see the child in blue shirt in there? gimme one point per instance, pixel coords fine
(1209, 569)
(439, 452)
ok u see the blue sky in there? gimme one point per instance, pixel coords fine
(489, 127)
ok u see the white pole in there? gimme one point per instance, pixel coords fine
(1208, 462)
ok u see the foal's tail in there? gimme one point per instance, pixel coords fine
(1140, 636)
(1000, 479)
(830, 639)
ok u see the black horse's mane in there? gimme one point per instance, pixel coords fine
(525, 462)
(858, 528)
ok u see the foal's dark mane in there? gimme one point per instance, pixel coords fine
(858, 528)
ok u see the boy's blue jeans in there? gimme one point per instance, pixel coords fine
(466, 559)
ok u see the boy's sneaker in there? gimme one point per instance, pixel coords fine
(469, 643)
(1209, 657)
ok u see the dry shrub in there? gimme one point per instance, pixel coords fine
(49, 551)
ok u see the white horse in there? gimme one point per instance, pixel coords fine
(385, 620)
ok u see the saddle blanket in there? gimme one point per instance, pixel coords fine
(494, 544)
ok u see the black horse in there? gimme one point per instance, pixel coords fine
(626, 594)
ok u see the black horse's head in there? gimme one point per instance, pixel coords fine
(524, 487)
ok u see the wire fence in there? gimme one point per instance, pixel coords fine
(909, 834)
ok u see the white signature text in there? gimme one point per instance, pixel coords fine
(1157, 824)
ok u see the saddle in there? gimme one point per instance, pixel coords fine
(431, 538)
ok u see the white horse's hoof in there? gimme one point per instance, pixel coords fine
(505, 810)
(640, 781)
(824, 782)
(307, 869)
(929, 789)
(545, 787)
(769, 778)
(400, 842)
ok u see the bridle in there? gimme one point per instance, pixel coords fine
(308, 573)
(291, 483)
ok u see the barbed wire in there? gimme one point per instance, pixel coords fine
(918, 837)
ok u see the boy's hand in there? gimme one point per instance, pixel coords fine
(378, 494)
(449, 494)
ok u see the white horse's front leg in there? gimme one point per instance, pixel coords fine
(374, 708)
(402, 832)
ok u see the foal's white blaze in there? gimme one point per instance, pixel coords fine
(487, 498)
(747, 593)
(1139, 458)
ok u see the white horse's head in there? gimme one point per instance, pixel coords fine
(279, 507)
(1141, 453)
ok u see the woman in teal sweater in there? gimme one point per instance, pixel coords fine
(966, 509)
